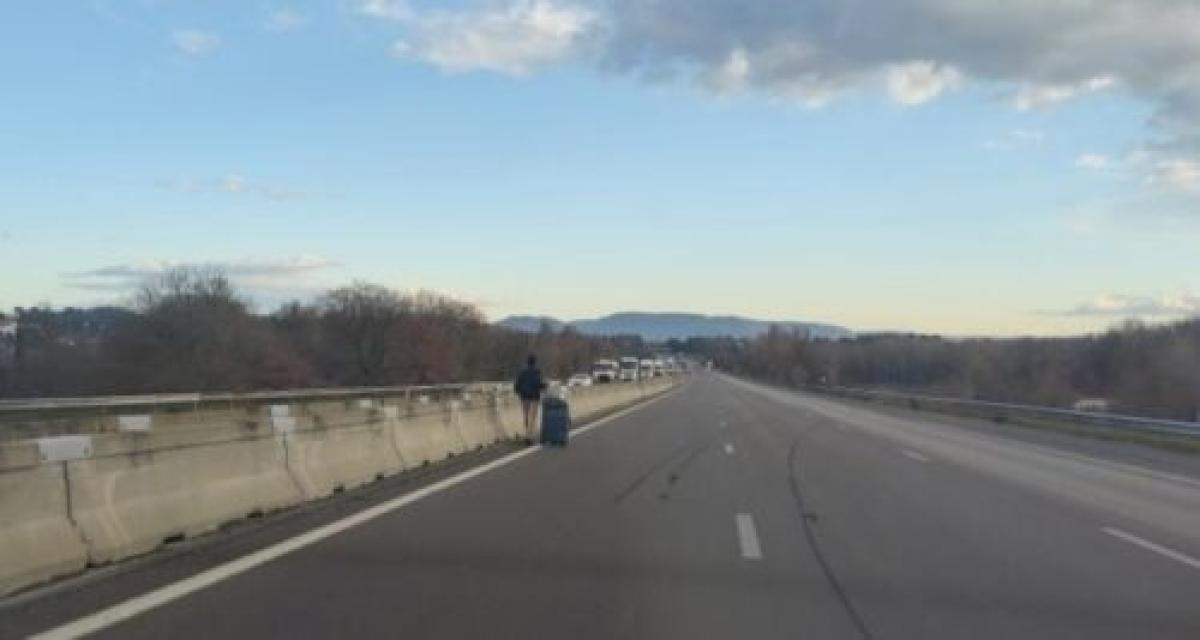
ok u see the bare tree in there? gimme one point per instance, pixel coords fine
(360, 319)
(192, 331)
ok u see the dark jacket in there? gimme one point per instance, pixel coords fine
(529, 384)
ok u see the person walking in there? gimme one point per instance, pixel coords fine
(529, 387)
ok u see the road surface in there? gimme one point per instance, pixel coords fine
(728, 510)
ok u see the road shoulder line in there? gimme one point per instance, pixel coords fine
(1150, 546)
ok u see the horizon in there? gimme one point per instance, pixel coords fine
(855, 331)
(569, 157)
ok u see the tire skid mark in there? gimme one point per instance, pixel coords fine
(807, 518)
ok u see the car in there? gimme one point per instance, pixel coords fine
(582, 379)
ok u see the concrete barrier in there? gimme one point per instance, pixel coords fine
(587, 402)
(143, 473)
(332, 446)
(38, 541)
(129, 502)
(424, 434)
(471, 417)
(512, 419)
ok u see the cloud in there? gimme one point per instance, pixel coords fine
(1032, 136)
(919, 82)
(1034, 53)
(1093, 161)
(513, 39)
(194, 42)
(1016, 138)
(1037, 96)
(1178, 173)
(386, 9)
(281, 20)
(1133, 306)
(732, 75)
(1042, 53)
(230, 183)
(260, 277)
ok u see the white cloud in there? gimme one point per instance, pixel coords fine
(194, 42)
(281, 20)
(1037, 53)
(1015, 139)
(1135, 306)
(512, 39)
(745, 69)
(257, 275)
(733, 74)
(1178, 173)
(1093, 161)
(233, 183)
(919, 82)
(1031, 136)
(1043, 52)
(230, 183)
(1036, 96)
(386, 9)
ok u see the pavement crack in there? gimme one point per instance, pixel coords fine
(807, 519)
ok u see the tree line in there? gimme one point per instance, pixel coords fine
(1138, 369)
(191, 330)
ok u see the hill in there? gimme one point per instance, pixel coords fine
(665, 326)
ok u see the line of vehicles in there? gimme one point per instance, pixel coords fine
(627, 369)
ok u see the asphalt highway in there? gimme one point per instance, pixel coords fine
(730, 510)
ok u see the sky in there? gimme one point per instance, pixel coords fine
(931, 165)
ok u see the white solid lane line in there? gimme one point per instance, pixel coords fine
(1121, 466)
(140, 604)
(729, 449)
(748, 537)
(1156, 548)
(154, 599)
(919, 457)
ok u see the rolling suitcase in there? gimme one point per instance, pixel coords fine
(556, 421)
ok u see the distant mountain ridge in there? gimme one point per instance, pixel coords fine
(665, 326)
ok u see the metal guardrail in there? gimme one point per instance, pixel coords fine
(24, 419)
(1108, 420)
(103, 403)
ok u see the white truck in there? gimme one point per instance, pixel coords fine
(629, 369)
(646, 369)
(604, 371)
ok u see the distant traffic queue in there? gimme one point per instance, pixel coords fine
(632, 369)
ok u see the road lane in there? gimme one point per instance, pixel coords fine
(961, 548)
(651, 527)
(624, 533)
